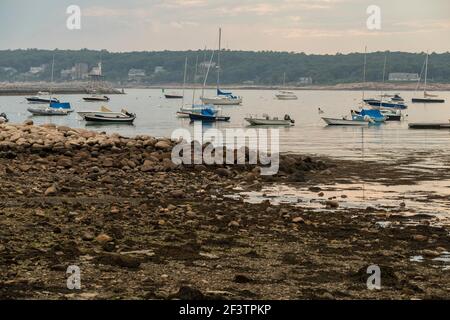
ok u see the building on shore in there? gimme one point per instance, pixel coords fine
(399, 76)
(79, 71)
(304, 81)
(136, 75)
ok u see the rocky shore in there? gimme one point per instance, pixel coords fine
(141, 227)
(76, 87)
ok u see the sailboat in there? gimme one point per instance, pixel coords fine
(53, 108)
(397, 104)
(285, 95)
(427, 98)
(223, 97)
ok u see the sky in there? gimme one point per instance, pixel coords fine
(310, 26)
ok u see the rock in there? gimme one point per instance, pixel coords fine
(108, 163)
(28, 122)
(87, 236)
(121, 260)
(103, 238)
(419, 237)
(315, 189)
(298, 220)
(64, 162)
(188, 293)
(177, 194)
(51, 191)
(240, 278)
(148, 166)
(234, 224)
(321, 194)
(223, 172)
(430, 253)
(332, 204)
(163, 145)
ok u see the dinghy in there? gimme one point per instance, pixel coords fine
(267, 121)
(47, 111)
(96, 98)
(344, 122)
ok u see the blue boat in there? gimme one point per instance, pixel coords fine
(374, 115)
(388, 104)
(207, 114)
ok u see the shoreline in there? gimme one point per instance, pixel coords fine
(139, 226)
(13, 89)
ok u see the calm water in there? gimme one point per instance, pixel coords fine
(156, 116)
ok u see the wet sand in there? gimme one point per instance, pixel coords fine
(140, 227)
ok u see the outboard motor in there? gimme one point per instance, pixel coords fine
(3, 118)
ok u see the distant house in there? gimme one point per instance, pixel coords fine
(37, 70)
(136, 74)
(96, 72)
(403, 76)
(304, 81)
(159, 69)
(248, 82)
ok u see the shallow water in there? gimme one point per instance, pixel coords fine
(156, 116)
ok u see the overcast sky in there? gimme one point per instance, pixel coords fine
(311, 26)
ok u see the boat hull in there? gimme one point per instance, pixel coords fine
(265, 122)
(96, 99)
(173, 96)
(34, 100)
(389, 105)
(344, 122)
(427, 100)
(222, 101)
(280, 97)
(109, 119)
(201, 117)
(429, 125)
(48, 112)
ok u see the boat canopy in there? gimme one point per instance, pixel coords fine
(227, 94)
(373, 113)
(60, 105)
(208, 112)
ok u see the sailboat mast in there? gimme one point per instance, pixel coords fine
(384, 77)
(284, 80)
(184, 80)
(364, 74)
(426, 76)
(207, 73)
(51, 82)
(195, 81)
(218, 58)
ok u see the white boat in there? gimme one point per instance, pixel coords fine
(344, 122)
(267, 121)
(47, 111)
(106, 115)
(286, 95)
(42, 98)
(222, 98)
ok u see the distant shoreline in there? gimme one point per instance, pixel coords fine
(31, 88)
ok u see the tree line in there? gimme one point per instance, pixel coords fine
(237, 67)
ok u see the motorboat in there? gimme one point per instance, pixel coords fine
(106, 115)
(425, 125)
(184, 112)
(42, 98)
(286, 95)
(344, 122)
(268, 121)
(96, 98)
(47, 110)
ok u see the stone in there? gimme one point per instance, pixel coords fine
(234, 224)
(121, 260)
(419, 237)
(51, 191)
(332, 204)
(87, 236)
(28, 122)
(223, 172)
(163, 145)
(103, 238)
(298, 220)
(240, 278)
